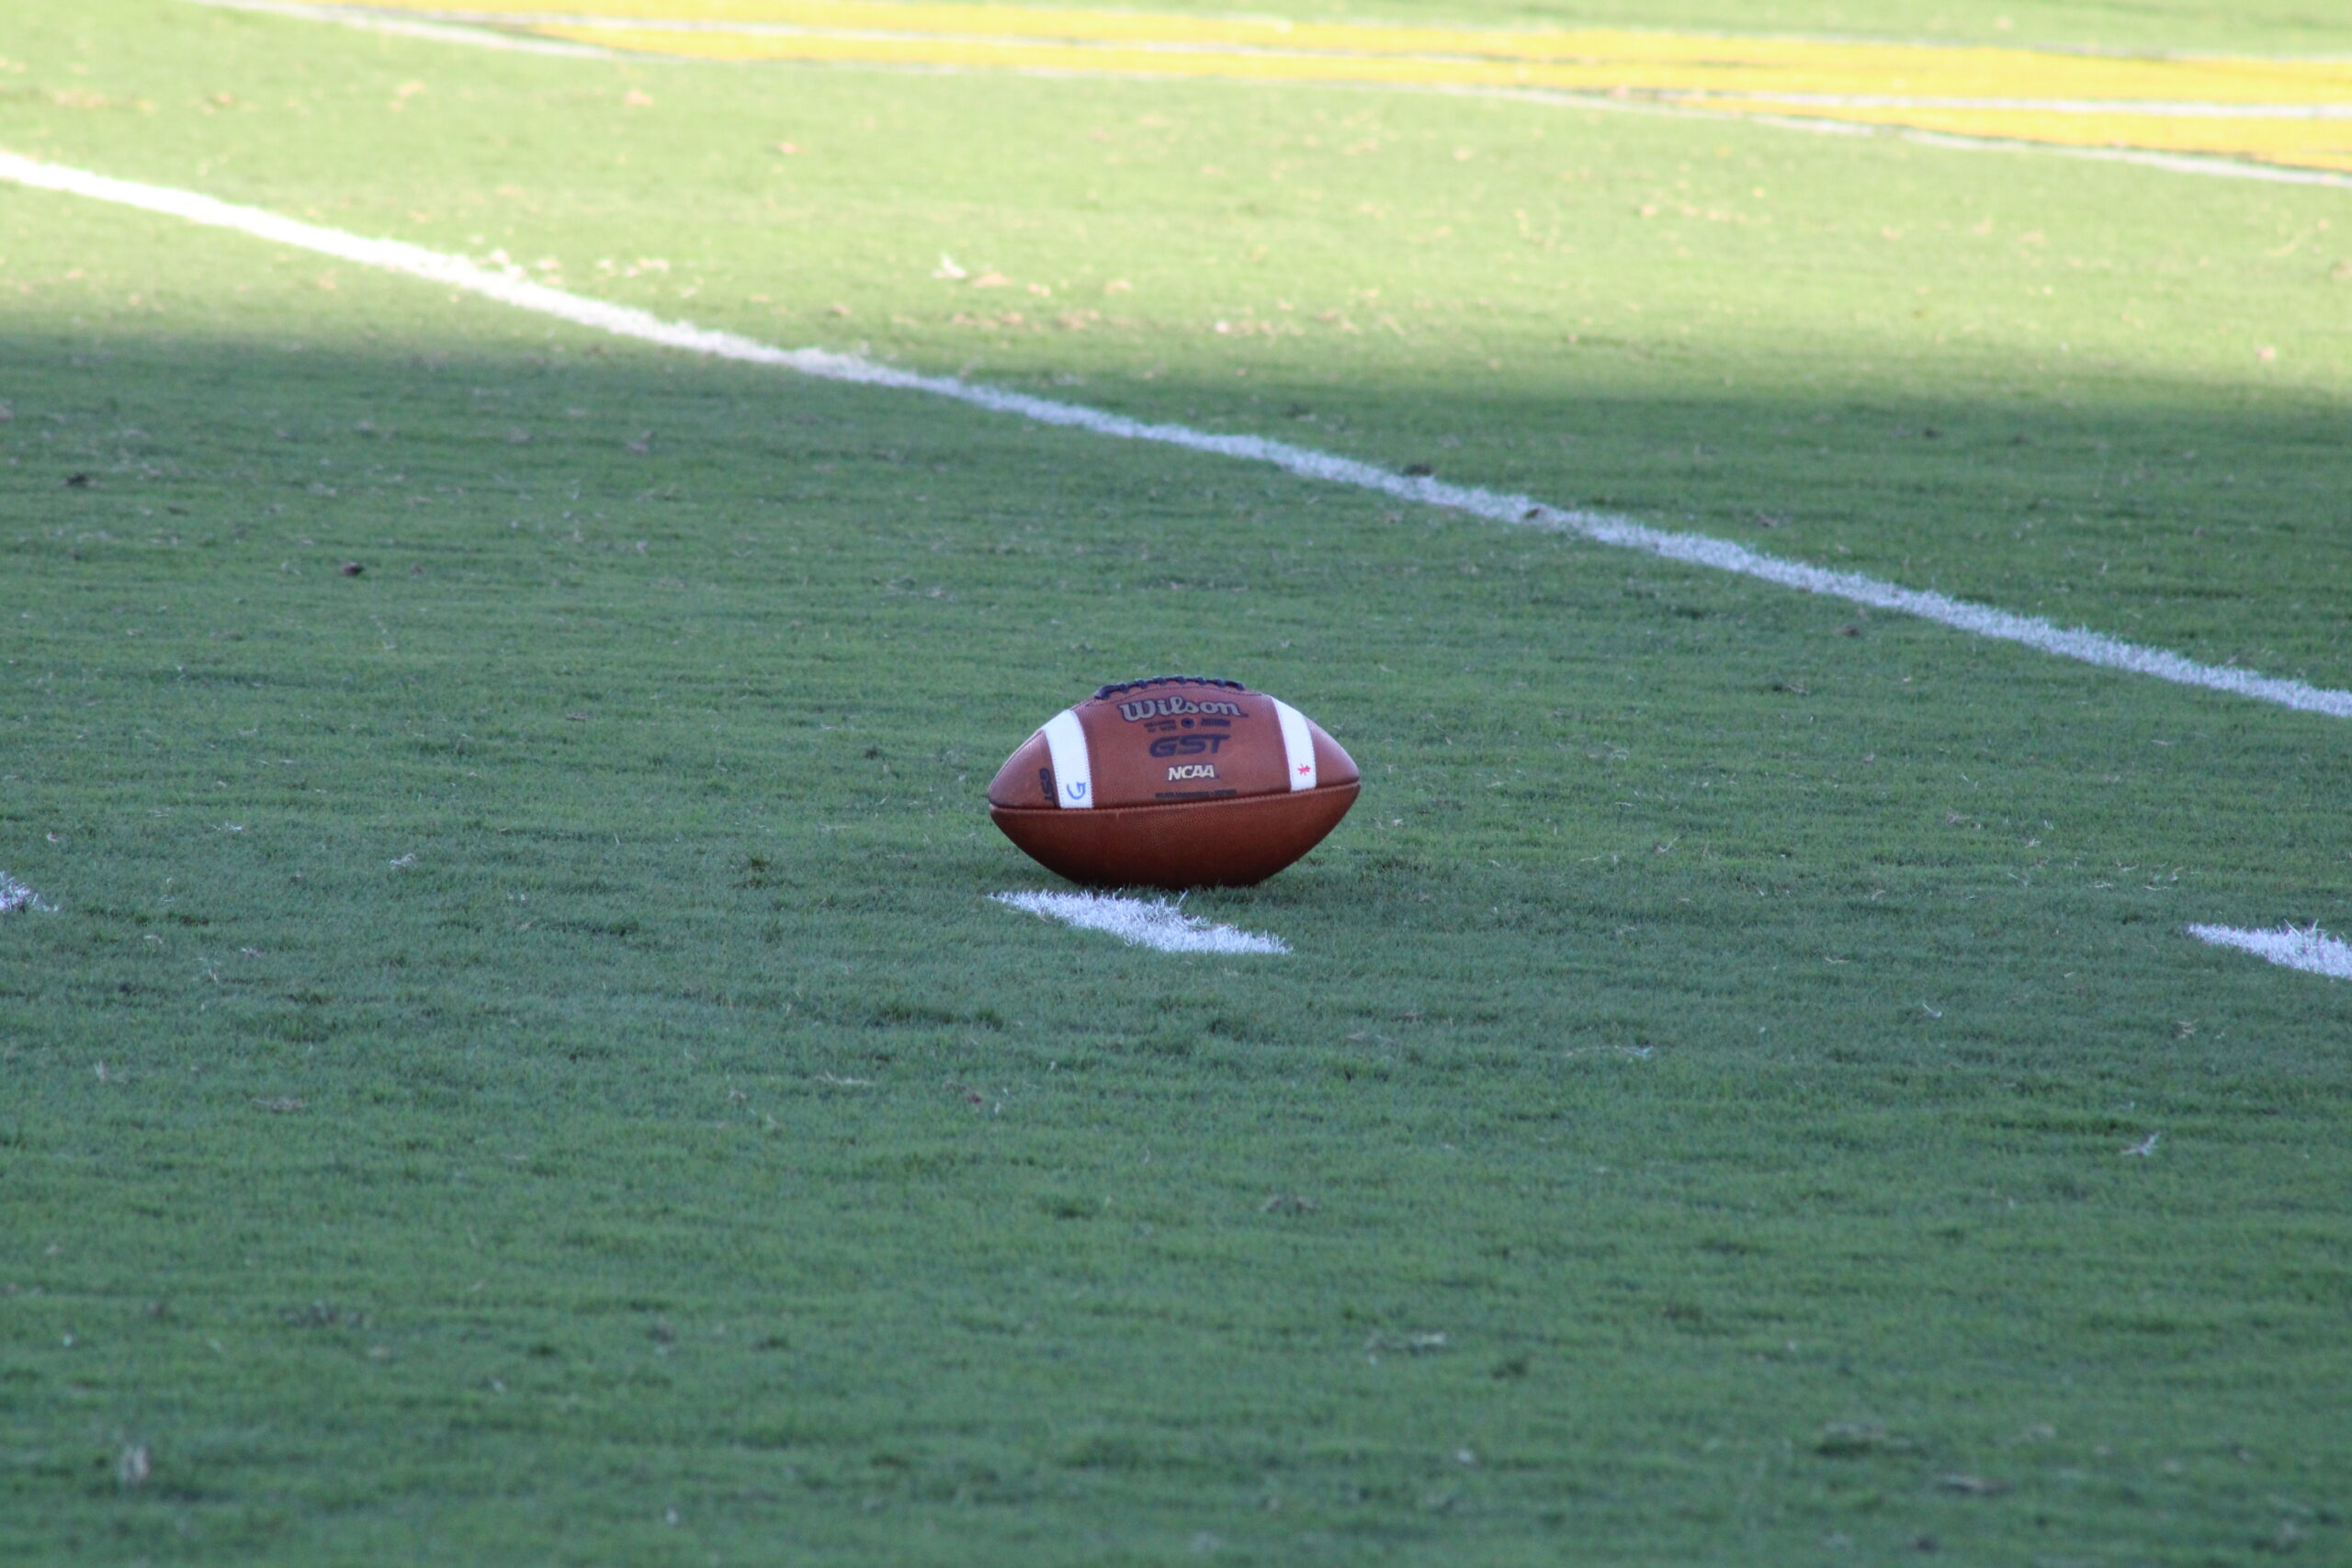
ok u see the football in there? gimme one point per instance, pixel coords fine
(1181, 780)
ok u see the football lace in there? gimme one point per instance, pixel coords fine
(1118, 686)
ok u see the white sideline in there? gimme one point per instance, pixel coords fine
(2313, 950)
(2205, 164)
(14, 895)
(439, 32)
(2154, 109)
(1157, 923)
(1694, 549)
(1687, 105)
(467, 19)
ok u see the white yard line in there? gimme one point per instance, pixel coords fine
(14, 895)
(2313, 950)
(438, 32)
(1519, 511)
(1157, 923)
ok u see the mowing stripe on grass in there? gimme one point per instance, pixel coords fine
(2313, 950)
(1693, 550)
(1155, 923)
(15, 895)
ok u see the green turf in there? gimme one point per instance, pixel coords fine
(1722, 1021)
(1751, 329)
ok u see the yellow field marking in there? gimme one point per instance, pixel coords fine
(2306, 145)
(2296, 112)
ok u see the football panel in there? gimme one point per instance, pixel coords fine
(1165, 759)
(1027, 777)
(1332, 763)
(1210, 843)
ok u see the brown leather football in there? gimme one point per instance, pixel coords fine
(1181, 780)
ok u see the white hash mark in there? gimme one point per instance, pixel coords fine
(2313, 950)
(1157, 923)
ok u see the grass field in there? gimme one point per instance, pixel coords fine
(522, 1064)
